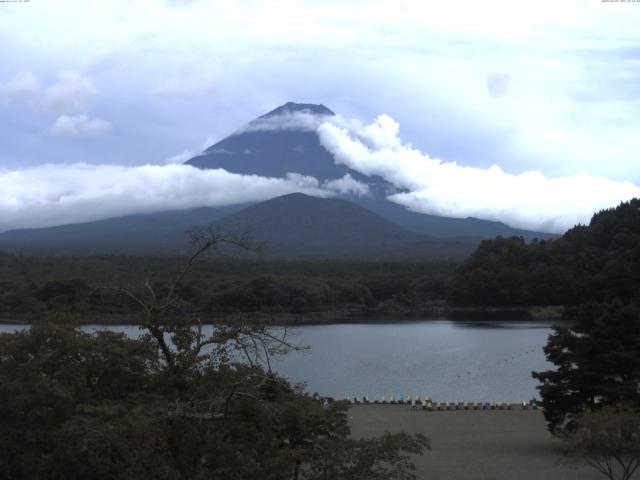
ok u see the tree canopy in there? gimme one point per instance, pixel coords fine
(597, 262)
(597, 362)
(174, 404)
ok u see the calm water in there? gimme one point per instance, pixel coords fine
(451, 361)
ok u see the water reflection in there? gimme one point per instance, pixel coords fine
(517, 324)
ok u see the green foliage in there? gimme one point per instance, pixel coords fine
(33, 287)
(588, 263)
(173, 404)
(103, 406)
(597, 364)
(48, 374)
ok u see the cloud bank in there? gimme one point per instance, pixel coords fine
(526, 200)
(56, 194)
(68, 96)
(74, 193)
(71, 92)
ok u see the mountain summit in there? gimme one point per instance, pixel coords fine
(291, 107)
(280, 142)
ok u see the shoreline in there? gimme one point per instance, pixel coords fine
(331, 317)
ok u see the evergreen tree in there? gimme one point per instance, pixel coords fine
(597, 262)
(597, 364)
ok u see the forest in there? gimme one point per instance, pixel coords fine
(596, 262)
(33, 288)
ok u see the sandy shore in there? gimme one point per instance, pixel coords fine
(475, 445)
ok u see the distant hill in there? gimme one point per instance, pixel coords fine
(152, 233)
(597, 262)
(294, 226)
(301, 225)
(261, 149)
(444, 227)
(301, 218)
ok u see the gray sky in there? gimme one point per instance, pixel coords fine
(549, 86)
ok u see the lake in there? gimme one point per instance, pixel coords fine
(449, 360)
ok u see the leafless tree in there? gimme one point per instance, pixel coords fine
(176, 327)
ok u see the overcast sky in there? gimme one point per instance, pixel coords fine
(545, 86)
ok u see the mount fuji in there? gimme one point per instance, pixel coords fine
(358, 221)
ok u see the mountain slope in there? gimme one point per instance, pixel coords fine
(300, 225)
(273, 146)
(144, 233)
(299, 218)
(293, 226)
(443, 227)
(260, 149)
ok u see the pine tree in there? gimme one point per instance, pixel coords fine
(598, 364)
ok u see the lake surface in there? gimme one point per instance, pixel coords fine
(450, 361)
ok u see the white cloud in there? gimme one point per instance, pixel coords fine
(303, 181)
(188, 153)
(526, 200)
(70, 93)
(69, 96)
(207, 143)
(301, 121)
(58, 194)
(24, 87)
(347, 185)
(181, 157)
(79, 126)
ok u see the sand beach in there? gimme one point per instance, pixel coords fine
(475, 444)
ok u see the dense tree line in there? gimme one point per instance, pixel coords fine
(597, 262)
(36, 287)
